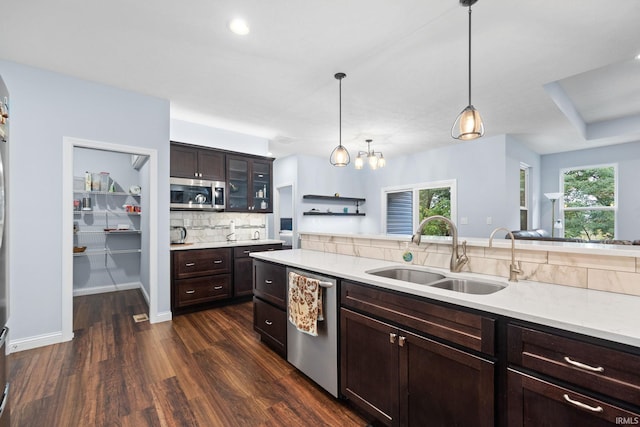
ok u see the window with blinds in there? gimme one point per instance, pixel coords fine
(400, 212)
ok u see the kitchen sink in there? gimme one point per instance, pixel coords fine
(468, 286)
(412, 275)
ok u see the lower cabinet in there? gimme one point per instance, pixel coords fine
(269, 305)
(402, 378)
(242, 267)
(563, 380)
(535, 402)
(205, 278)
(403, 359)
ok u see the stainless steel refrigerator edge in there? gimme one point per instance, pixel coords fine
(4, 274)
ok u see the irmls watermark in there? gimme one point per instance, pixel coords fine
(627, 421)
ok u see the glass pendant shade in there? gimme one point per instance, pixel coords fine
(468, 125)
(381, 161)
(359, 163)
(373, 161)
(340, 156)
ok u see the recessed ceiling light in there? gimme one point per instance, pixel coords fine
(638, 57)
(239, 26)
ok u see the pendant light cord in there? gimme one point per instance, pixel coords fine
(340, 113)
(469, 54)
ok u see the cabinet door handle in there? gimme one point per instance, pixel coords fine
(190, 264)
(190, 291)
(268, 322)
(246, 252)
(217, 261)
(401, 340)
(271, 249)
(268, 282)
(217, 288)
(582, 405)
(392, 338)
(583, 366)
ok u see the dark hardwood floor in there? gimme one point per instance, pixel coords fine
(201, 369)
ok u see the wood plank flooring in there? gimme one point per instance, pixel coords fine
(202, 369)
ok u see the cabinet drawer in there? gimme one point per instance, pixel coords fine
(270, 282)
(202, 289)
(594, 367)
(271, 323)
(470, 330)
(244, 251)
(534, 402)
(201, 262)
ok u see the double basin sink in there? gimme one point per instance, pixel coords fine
(437, 280)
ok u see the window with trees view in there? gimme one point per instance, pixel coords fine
(407, 207)
(589, 209)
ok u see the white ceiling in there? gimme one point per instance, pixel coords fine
(406, 66)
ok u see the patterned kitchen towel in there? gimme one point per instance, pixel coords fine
(305, 303)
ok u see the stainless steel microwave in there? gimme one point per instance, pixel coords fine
(197, 194)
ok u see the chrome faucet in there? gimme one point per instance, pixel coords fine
(514, 269)
(457, 261)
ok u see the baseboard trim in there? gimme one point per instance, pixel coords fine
(34, 342)
(165, 316)
(108, 288)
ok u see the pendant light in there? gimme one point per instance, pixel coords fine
(340, 155)
(468, 125)
(374, 158)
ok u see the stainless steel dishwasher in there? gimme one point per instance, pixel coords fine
(317, 357)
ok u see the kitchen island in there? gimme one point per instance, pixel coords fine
(413, 353)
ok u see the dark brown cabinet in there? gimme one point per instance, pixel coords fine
(269, 305)
(198, 163)
(403, 378)
(561, 380)
(200, 276)
(250, 184)
(242, 267)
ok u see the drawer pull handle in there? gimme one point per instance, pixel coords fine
(268, 282)
(268, 322)
(190, 291)
(583, 405)
(271, 249)
(217, 288)
(401, 341)
(392, 338)
(190, 264)
(217, 261)
(246, 252)
(583, 366)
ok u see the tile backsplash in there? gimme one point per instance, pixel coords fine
(619, 274)
(205, 227)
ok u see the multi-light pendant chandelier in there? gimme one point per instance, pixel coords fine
(374, 158)
(468, 125)
(340, 155)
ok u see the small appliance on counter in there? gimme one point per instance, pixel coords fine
(178, 235)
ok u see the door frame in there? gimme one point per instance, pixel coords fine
(68, 144)
(276, 212)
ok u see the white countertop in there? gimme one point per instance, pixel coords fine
(209, 245)
(606, 315)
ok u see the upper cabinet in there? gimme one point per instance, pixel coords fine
(200, 163)
(250, 184)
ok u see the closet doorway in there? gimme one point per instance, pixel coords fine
(108, 190)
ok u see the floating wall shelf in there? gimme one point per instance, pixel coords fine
(356, 200)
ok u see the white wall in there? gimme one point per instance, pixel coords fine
(45, 107)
